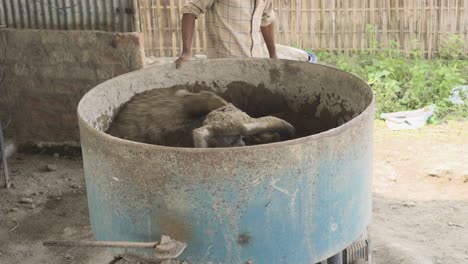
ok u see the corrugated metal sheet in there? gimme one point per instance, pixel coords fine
(107, 15)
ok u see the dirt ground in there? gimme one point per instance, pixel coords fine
(420, 212)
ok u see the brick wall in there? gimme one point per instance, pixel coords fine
(47, 73)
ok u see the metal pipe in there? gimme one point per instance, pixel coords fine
(107, 244)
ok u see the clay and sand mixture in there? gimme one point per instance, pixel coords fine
(176, 117)
(168, 116)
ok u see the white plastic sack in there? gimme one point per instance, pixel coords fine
(458, 95)
(408, 119)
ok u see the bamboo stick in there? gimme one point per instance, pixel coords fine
(136, 16)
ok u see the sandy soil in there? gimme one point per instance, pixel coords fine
(420, 212)
(420, 202)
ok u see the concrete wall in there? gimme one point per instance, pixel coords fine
(47, 73)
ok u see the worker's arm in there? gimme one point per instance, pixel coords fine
(268, 28)
(190, 12)
(188, 27)
(268, 33)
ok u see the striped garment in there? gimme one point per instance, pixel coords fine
(233, 26)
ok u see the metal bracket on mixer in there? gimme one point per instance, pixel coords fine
(356, 253)
(167, 248)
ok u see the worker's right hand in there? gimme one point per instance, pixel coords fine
(186, 56)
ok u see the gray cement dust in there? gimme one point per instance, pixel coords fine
(161, 117)
(259, 101)
(164, 116)
(228, 126)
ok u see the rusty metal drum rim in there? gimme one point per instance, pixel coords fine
(315, 137)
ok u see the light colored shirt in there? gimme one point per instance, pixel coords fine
(290, 53)
(233, 26)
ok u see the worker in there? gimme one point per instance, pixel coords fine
(234, 28)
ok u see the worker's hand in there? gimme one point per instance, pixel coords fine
(186, 56)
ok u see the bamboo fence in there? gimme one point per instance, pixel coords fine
(330, 25)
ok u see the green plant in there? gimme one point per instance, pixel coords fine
(452, 48)
(407, 82)
(373, 43)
